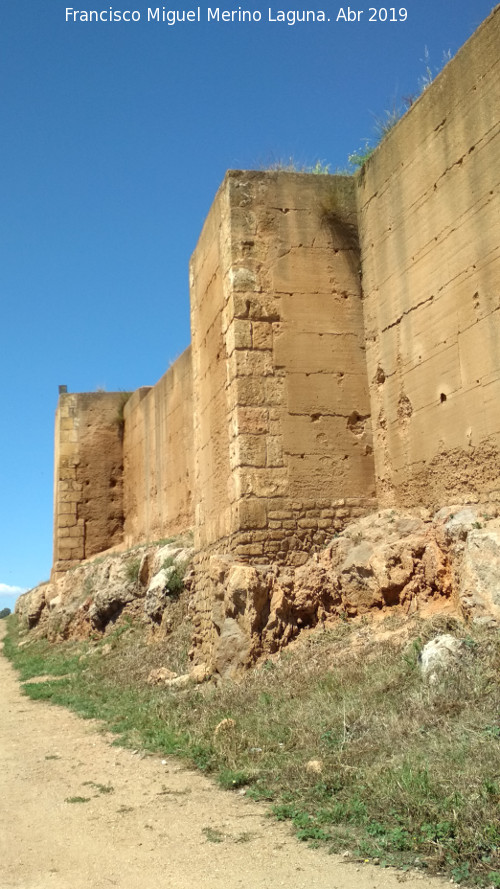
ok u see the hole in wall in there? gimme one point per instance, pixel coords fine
(442, 397)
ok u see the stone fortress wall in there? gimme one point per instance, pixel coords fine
(345, 353)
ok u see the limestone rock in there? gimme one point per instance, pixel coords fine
(111, 594)
(199, 673)
(157, 594)
(178, 555)
(453, 523)
(233, 649)
(36, 604)
(314, 766)
(479, 590)
(440, 654)
(178, 681)
(160, 675)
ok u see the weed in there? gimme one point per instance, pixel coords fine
(120, 414)
(132, 569)
(231, 779)
(77, 799)
(319, 168)
(175, 579)
(245, 837)
(385, 123)
(259, 792)
(213, 835)
(431, 72)
(101, 788)
(358, 158)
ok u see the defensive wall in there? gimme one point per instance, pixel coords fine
(429, 223)
(345, 353)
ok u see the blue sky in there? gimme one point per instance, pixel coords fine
(115, 138)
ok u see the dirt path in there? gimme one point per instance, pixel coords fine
(146, 824)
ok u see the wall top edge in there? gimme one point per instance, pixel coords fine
(426, 96)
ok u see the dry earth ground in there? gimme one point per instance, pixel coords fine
(146, 822)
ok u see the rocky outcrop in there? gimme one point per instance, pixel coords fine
(413, 563)
(389, 560)
(143, 582)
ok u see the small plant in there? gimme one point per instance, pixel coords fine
(175, 580)
(231, 779)
(77, 799)
(358, 158)
(213, 835)
(101, 788)
(430, 73)
(319, 168)
(120, 414)
(132, 569)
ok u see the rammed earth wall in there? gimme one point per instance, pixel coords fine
(88, 476)
(429, 221)
(158, 457)
(345, 353)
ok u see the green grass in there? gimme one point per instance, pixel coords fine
(410, 772)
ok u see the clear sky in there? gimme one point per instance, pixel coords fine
(115, 138)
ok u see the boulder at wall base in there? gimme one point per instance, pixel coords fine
(439, 655)
(452, 524)
(36, 604)
(157, 593)
(232, 649)
(247, 597)
(479, 590)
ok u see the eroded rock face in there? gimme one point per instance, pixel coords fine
(479, 584)
(89, 598)
(412, 563)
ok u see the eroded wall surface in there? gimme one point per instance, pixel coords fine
(429, 217)
(88, 477)
(213, 495)
(158, 456)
